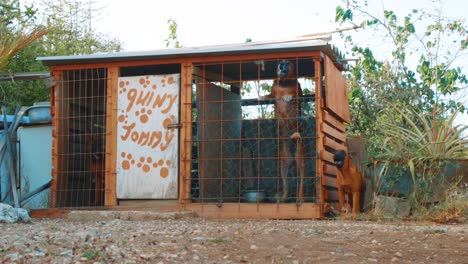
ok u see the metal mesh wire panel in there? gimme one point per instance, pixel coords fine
(239, 141)
(81, 131)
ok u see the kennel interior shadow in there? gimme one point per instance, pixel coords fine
(239, 161)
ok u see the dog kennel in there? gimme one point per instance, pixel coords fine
(189, 129)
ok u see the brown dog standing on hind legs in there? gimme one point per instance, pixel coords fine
(349, 181)
(286, 91)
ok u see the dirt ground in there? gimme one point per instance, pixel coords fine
(197, 240)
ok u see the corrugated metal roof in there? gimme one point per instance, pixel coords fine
(294, 45)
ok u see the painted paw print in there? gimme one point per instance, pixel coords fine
(144, 164)
(170, 80)
(164, 171)
(168, 121)
(128, 160)
(122, 86)
(123, 118)
(144, 114)
(144, 81)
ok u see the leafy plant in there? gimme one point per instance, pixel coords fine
(219, 240)
(406, 105)
(424, 145)
(422, 70)
(172, 39)
(91, 254)
(69, 31)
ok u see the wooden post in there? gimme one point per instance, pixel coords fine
(319, 105)
(110, 196)
(54, 104)
(186, 133)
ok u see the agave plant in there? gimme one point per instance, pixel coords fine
(424, 145)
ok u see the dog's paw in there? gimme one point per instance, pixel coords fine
(296, 136)
(286, 98)
(299, 201)
(346, 209)
(284, 197)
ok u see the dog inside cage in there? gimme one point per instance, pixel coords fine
(81, 133)
(254, 135)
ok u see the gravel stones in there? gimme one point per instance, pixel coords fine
(197, 240)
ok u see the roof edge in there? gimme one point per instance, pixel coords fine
(274, 46)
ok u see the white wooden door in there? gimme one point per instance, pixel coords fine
(147, 145)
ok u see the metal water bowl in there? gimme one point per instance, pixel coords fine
(254, 196)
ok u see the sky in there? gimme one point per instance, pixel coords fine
(142, 24)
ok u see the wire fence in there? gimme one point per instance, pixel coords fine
(81, 138)
(242, 151)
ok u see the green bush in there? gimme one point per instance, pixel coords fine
(425, 146)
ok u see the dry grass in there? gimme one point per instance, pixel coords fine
(454, 209)
(12, 44)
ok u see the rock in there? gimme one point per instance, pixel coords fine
(9, 214)
(349, 254)
(372, 260)
(85, 215)
(92, 215)
(67, 253)
(253, 247)
(314, 232)
(339, 250)
(392, 205)
(13, 256)
(147, 256)
(23, 215)
(398, 254)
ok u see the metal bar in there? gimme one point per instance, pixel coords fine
(9, 159)
(36, 191)
(24, 76)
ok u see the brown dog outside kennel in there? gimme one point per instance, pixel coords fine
(218, 130)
